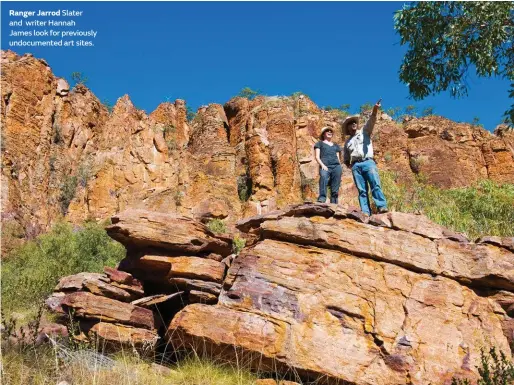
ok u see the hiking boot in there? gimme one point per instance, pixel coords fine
(383, 210)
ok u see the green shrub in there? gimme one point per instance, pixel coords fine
(190, 114)
(248, 93)
(485, 208)
(68, 188)
(297, 94)
(244, 187)
(57, 134)
(428, 111)
(238, 244)
(31, 271)
(78, 78)
(217, 226)
(365, 108)
(411, 110)
(395, 113)
(342, 111)
(494, 369)
(171, 144)
(84, 173)
(108, 104)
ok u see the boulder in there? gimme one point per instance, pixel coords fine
(97, 284)
(184, 267)
(328, 296)
(331, 314)
(63, 87)
(506, 242)
(144, 229)
(115, 337)
(196, 296)
(481, 265)
(421, 225)
(92, 306)
(122, 277)
(195, 284)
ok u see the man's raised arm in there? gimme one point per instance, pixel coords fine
(370, 124)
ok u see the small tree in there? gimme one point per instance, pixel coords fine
(410, 110)
(78, 78)
(248, 93)
(428, 111)
(297, 94)
(394, 112)
(190, 114)
(345, 108)
(365, 107)
(217, 226)
(446, 39)
(108, 104)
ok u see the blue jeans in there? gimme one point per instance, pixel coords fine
(332, 176)
(366, 173)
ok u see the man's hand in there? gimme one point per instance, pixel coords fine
(377, 106)
(324, 168)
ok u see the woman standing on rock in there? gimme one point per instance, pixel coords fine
(327, 154)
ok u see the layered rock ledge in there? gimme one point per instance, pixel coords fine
(171, 262)
(323, 291)
(393, 299)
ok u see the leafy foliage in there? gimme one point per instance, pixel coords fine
(494, 369)
(67, 189)
(297, 94)
(248, 93)
(57, 134)
(168, 132)
(108, 104)
(190, 114)
(476, 122)
(30, 272)
(244, 187)
(217, 226)
(365, 107)
(394, 112)
(447, 38)
(483, 209)
(428, 111)
(342, 111)
(78, 78)
(410, 110)
(238, 245)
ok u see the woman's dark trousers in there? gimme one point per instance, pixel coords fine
(331, 178)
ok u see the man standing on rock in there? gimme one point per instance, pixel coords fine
(358, 155)
(328, 158)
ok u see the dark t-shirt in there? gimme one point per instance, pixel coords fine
(328, 154)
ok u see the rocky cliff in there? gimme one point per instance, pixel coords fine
(64, 153)
(319, 291)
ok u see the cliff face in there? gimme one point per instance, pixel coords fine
(65, 154)
(318, 291)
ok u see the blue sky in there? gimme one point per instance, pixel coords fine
(335, 52)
